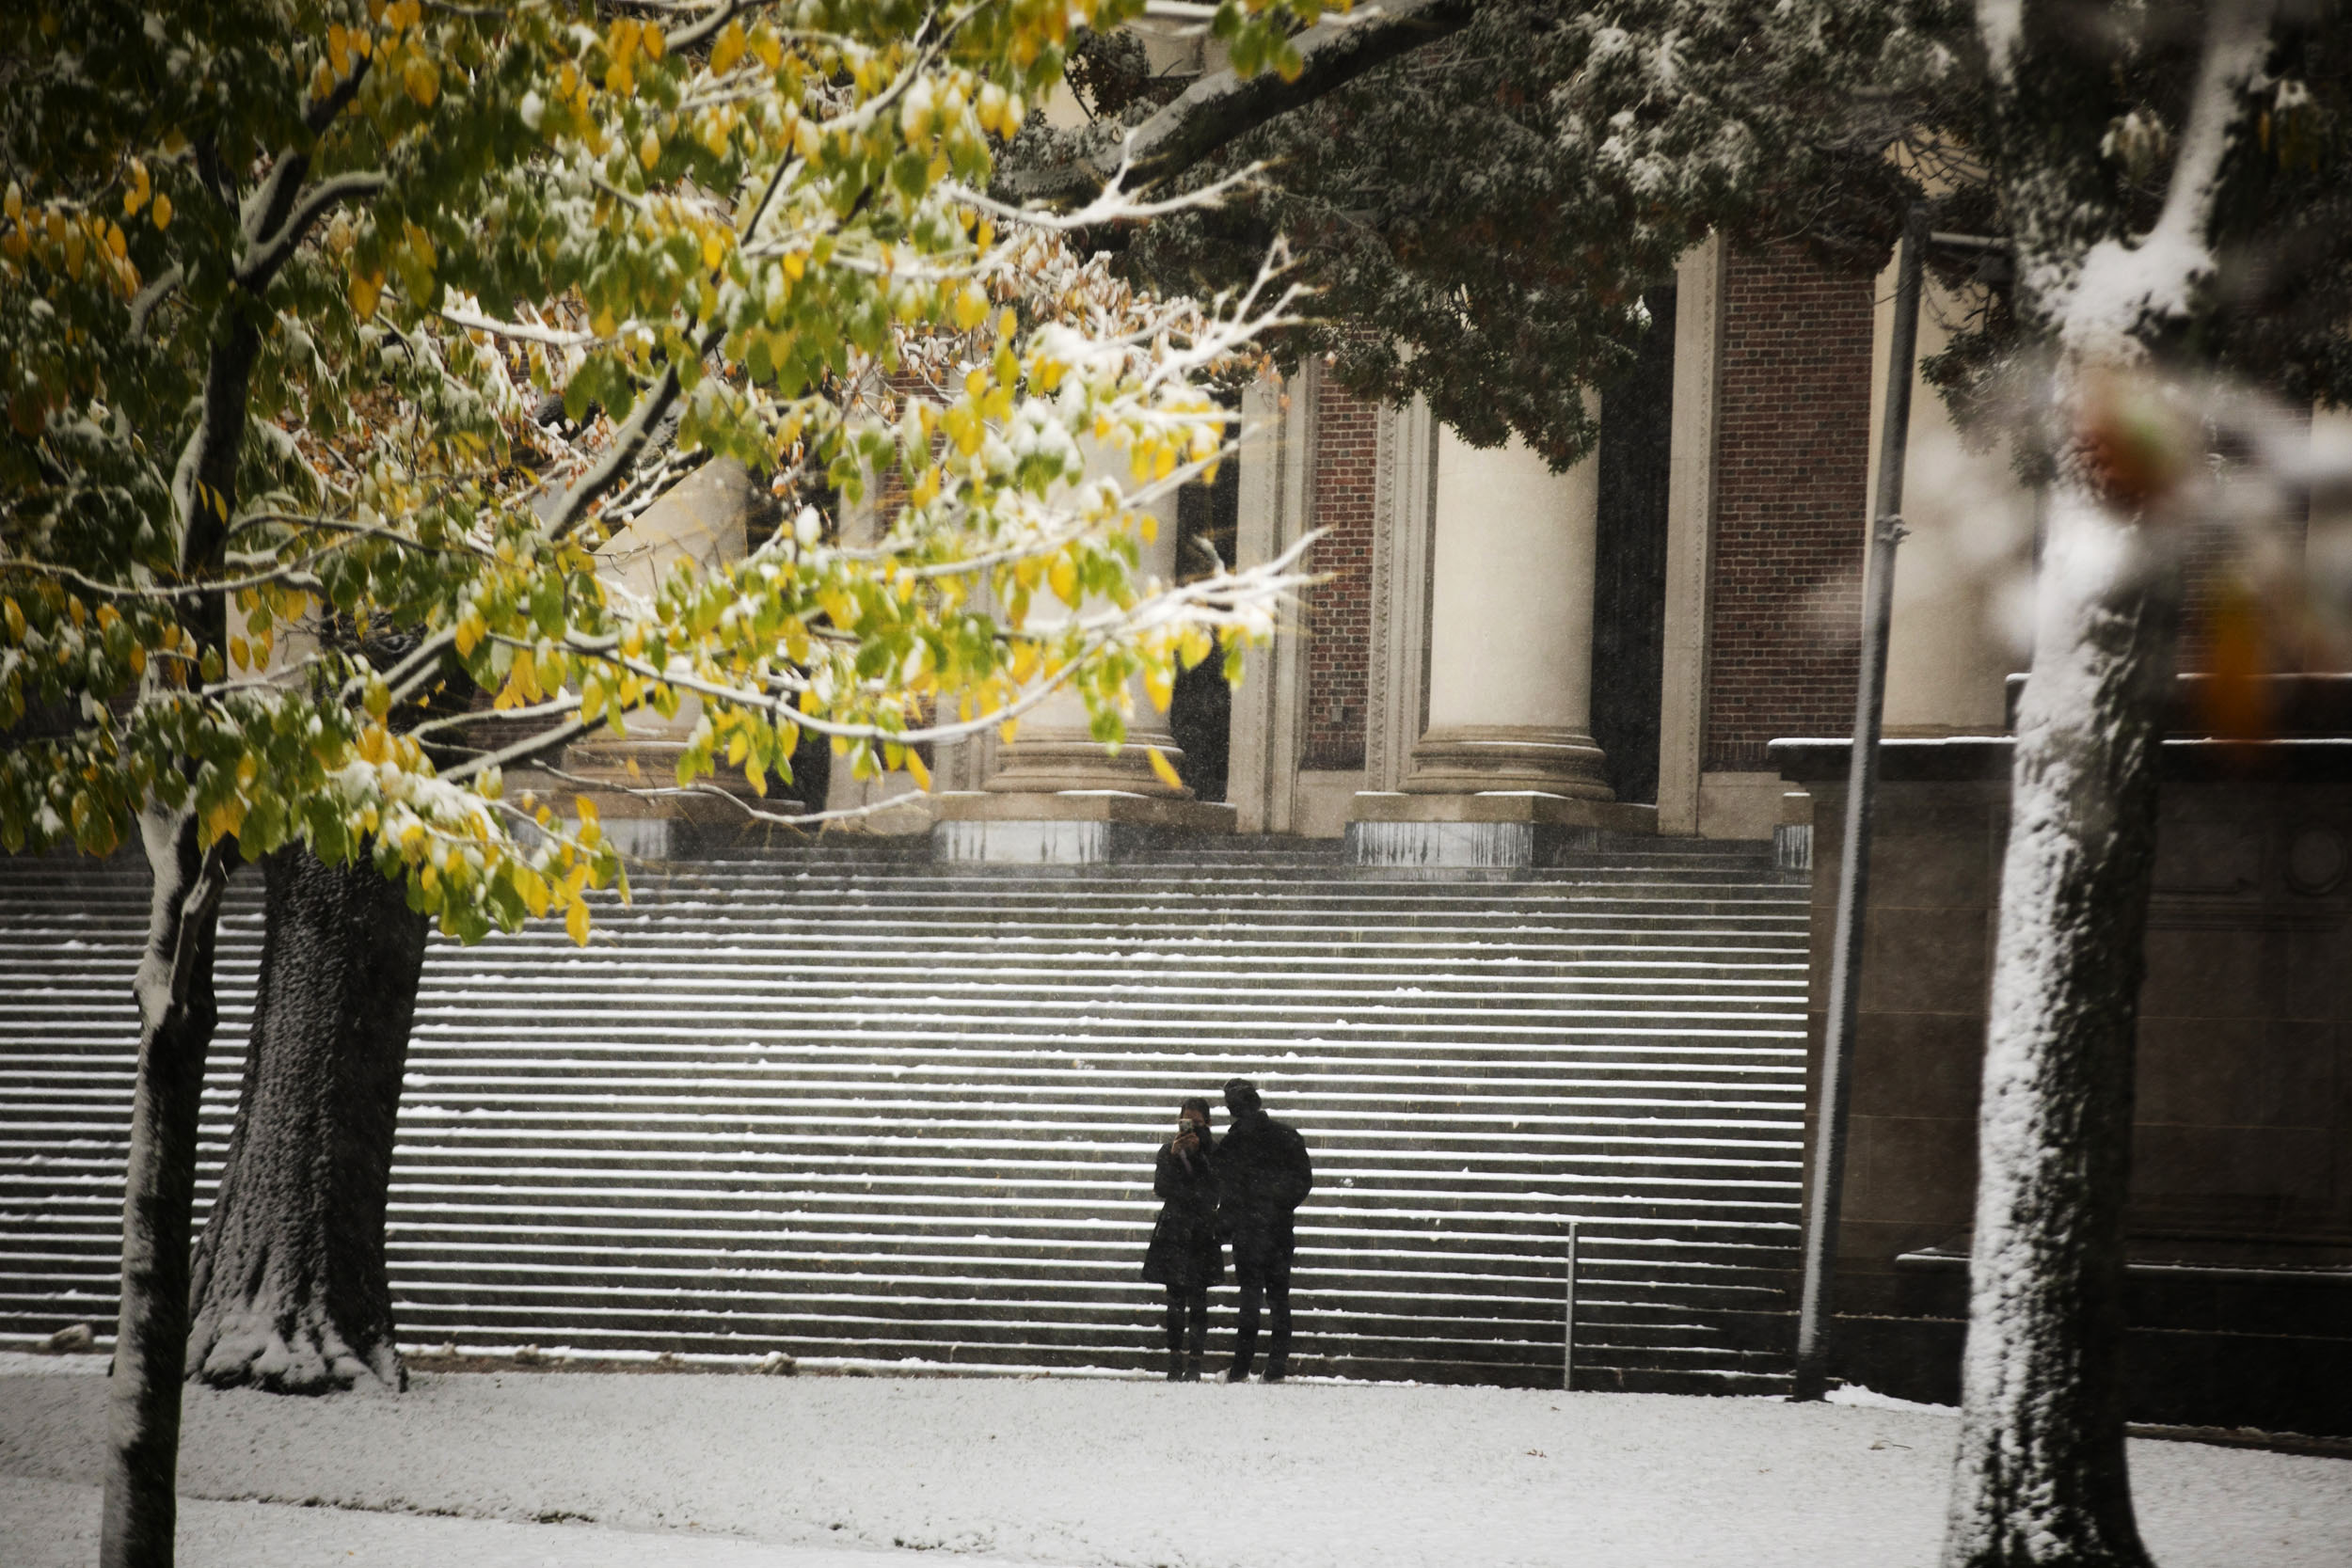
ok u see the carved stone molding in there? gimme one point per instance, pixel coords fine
(1472, 759)
(1397, 681)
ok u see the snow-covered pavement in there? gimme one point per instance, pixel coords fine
(650, 1471)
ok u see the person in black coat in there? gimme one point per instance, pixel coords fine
(1185, 1255)
(1263, 1175)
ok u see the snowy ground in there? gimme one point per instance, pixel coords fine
(634, 1471)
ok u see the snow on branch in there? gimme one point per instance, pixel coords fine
(1216, 109)
(2127, 293)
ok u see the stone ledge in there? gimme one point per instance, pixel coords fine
(1086, 805)
(1986, 759)
(1529, 806)
(1075, 828)
(1482, 835)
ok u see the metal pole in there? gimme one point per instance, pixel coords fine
(1567, 1338)
(1815, 1309)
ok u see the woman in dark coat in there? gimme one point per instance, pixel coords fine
(1185, 1255)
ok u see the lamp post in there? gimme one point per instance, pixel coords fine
(1815, 1308)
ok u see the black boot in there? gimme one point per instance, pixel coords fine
(1175, 1366)
(1192, 1369)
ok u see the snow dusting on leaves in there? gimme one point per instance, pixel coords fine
(340, 336)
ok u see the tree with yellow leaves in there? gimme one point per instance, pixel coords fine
(281, 282)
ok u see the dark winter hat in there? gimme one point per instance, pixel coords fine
(1194, 1103)
(1241, 1095)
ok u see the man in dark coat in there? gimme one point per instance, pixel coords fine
(1263, 1175)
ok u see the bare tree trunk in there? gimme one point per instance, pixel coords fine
(2041, 1477)
(291, 1293)
(176, 1012)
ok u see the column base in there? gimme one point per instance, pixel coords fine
(1069, 828)
(1494, 833)
(1053, 765)
(1474, 759)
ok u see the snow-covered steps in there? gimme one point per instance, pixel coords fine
(851, 1106)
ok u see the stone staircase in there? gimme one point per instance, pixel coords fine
(846, 1105)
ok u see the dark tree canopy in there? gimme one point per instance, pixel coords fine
(1481, 213)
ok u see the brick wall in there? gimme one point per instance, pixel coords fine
(1337, 614)
(1792, 466)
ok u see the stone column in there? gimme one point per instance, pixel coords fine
(1507, 775)
(1511, 628)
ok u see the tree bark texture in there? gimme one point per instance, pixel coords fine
(291, 1293)
(176, 1012)
(2041, 1477)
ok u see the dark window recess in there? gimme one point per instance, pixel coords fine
(1629, 558)
(1200, 713)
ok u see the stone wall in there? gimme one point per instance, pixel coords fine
(2241, 1207)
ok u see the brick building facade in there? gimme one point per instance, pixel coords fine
(1793, 460)
(1336, 615)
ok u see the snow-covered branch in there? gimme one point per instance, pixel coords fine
(1218, 108)
(2125, 294)
(526, 332)
(262, 258)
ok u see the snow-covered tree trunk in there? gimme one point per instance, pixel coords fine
(290, 1291)
(176, 1012)
(2041, 1475)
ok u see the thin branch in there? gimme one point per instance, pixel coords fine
(143, 304)
(1111, 204)
(528, 748)
(694, 32)
(529, 332)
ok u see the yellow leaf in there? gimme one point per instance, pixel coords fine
(920, 774)
(423, 80)
(1062, 576)
(576, 922)
(238, 653)
(1009, 731)
(971, 306)
(586, 808)
(726, 49)
(1165, 768)
(160, 213)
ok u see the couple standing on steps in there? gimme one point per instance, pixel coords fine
(1240, 1189)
